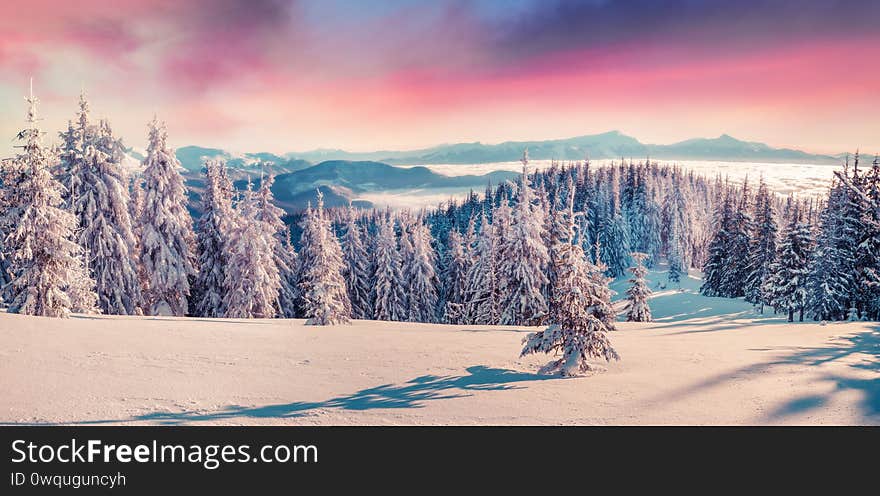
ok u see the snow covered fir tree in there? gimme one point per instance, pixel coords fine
(322, 288)
(46, 266)
(762, 249)
(388, 295)
(278, 236)
(97, 192)
(252, 281)
(523, 259)
(482, 297)
(420, 275)
(357, 267)
(785, 288)
(637, 309)
(579, 322)
(213, 235)
(166, 230)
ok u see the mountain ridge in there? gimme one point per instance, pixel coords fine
(608, 145)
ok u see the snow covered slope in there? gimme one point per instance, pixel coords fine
(705, 361)
(674, 302)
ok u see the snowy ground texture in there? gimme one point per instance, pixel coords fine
(704, 361)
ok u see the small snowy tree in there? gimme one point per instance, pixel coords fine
(285, 256)
(407, 255)
(762, 249)
(167, 240)
(252, 281)
(578, 327)
(357, 268)
(718, 263)
(213, 232)
(614, 233)
(289, 269)
(325, 298)
(388, 296)
(639, 292)
(676, 230)
(787, 286)
(737, 248)
(524, 260)
(49, 278)
(420, 276)
(559, 237)
(455, 279)
(831, 277)
(602, 294)
(676, 268)
(482, 294)
(81, 288)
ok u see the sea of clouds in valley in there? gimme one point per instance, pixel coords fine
(784, 179)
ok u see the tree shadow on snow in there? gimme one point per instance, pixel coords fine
(859, 351)
(725, 322)
(412, 394)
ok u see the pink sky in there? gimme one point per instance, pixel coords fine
(282, 75)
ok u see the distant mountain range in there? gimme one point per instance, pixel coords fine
(599, 146)
(344, 176)
(608, 145)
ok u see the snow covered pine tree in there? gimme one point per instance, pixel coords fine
(388, 297)
(579, 321)
(787, 286)
(454, 279)
(98, 196)
(420, 276)
(762, 249)
(167, 239)
(285, 256)
(357, 268)
(213, 232)
(614, 234)
(325, 297)
(638, 294)
(676, 230)
(524, 259)
(49, 277)
(481, 296)
(252, 280)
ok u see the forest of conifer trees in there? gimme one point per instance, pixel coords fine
(79, 234)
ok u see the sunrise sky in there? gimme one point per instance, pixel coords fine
(286, 75)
